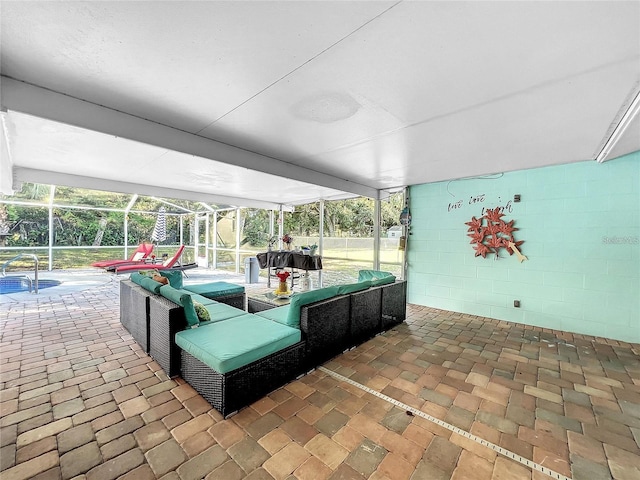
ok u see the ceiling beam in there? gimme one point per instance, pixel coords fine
(628, 112)
(31, 175)
(33, 100)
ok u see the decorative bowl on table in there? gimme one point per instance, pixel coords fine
(286, 294)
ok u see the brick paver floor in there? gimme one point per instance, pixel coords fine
(80, 400)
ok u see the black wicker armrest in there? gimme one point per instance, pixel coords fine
(134, 312)
(366, 308)
(166, 319)
(237, 300)
(394, 303)
(325, 327)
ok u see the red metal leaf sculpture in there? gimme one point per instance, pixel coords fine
(494, 215)
(474, 224)
(477, 236)
(490, 233)
(481, 249)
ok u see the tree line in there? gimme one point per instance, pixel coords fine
(28, 226)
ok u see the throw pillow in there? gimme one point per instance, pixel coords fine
(203, 314)
(161, 279)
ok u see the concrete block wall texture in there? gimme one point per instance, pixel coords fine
(580, 224)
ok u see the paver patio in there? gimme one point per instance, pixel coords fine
(79, 399)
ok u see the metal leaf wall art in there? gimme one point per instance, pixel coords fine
(490, 233)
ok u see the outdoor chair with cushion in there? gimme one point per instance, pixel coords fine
(137, 257)
(172, 263)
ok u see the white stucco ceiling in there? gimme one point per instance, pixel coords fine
(287, 102)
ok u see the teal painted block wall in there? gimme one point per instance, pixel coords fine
(581, 229)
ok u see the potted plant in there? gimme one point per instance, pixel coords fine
(288, 241)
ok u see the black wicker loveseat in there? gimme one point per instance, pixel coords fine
(328, 322)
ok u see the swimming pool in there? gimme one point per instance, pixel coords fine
(13, 284)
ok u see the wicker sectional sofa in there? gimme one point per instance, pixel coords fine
(218, 357)
(141, 301)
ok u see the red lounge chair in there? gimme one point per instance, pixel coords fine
(169, 264)
(137, 257)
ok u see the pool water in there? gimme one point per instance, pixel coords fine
(21, 284)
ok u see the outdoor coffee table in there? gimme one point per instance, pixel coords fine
(258, 302)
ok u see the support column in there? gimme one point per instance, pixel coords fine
(6, 166)
(321, 240)
(126, 223)
(215, 240)
(238, 218)
(280, 227)
(406, 231)
(376, 235)
(51, 196)
(206, 239)
(271, 218)
(126, 234)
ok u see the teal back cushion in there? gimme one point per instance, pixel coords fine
(353, 287)
(183, 298)
(145, 282)
(137, 277)
(170, 293)
(383, 281)
(189, 310)
(373, 275)
(301, 299)
(175, 278)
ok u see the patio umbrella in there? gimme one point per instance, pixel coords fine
(160, 230)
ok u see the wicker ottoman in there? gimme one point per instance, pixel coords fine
(235, 362)
(223, 292)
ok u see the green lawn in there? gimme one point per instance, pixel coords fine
(339, 260)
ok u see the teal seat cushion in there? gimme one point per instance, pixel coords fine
(353, 287)
(221, 311)
(183, 299)
(226, 346)
(278, 314)
(299, 300)
(175, 278)
(199, 298)
(373, 275)
(215, 289)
